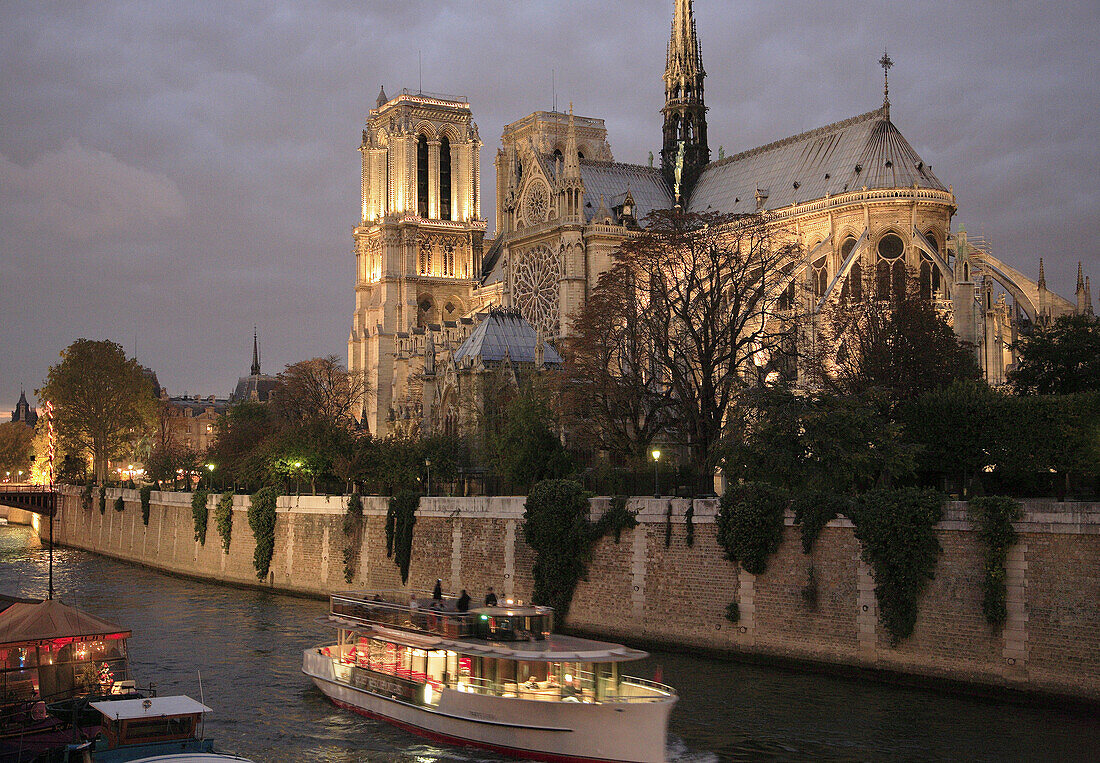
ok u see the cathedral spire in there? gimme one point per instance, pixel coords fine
(685, 129)
(255, 353)
(572, 161)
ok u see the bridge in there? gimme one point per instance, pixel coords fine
(36, 499)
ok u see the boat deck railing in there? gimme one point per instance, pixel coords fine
(400, 609)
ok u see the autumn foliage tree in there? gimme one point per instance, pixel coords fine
(16, 448)
(101, 399)
(694, 304)
(320, 389)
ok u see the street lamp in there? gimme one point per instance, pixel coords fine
(428, 467)
(210, 468)
(656, 459)
(297, 477)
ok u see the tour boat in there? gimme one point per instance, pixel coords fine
(494, 678)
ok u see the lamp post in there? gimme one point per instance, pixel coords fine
(656, 459)
(297, 477)
(428, 467)
(209, 468)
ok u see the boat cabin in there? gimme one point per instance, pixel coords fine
(152, 725)
(412, 653)
(50, 652)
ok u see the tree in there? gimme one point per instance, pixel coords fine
(320, 389)
(240, 437)
(818, 442)
(527, 449)
(1059, 357)
(166, 462)
(16, 449)
(899, 345)
(608, 390)
(101, 399)
(711, 297)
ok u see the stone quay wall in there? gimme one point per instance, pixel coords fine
(642, 591)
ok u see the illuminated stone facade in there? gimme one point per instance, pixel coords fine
(867, 211)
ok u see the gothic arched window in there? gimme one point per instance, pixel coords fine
(853, 282)
(444, 178)
(819, 275)
(422, 175)
(890, 267)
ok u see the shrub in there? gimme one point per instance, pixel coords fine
(223, 519)
(200, 513)
(120, 505)
(750, 524)
(993, 517)
(103, 500)
(145, 492)
(261, 519)
(895, 528)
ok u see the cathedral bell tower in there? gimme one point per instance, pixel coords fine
(684, 153)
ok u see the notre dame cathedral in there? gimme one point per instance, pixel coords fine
(442, 312)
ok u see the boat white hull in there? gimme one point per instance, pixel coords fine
(565, 732)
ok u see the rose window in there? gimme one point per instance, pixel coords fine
(536, 203)
(535, 289)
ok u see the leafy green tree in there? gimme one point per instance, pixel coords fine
(900, 346)
(528, 450)
(241, 439)
(817, 442)
(167, 462)
(102, 401)
(16, 449)
(1058, 357)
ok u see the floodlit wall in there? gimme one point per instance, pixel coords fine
(641, 590)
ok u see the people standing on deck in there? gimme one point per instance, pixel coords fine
(490, 598)
(437, 592)
(463, 604)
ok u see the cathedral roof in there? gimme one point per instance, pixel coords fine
(864, 151)
(613, 179)
(505, 332)
(257, 387)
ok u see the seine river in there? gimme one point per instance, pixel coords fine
(248, 644)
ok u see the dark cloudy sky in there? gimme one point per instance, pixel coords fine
(172, 173)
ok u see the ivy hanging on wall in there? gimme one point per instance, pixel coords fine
(103, 500)
(556, 526)
(145, 492)
(400, 518)
(993, 517)
(812, 511)
(120, 505)
(261, 519)
(86, 496)
(353, 523)
(668, 525)
(896, 530)
(750, 524)
(200, 513)
(733, 612)
(223, 519)
(616, 519)
(689, 524)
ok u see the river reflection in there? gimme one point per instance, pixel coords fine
(248, 645)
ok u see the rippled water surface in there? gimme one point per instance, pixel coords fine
(248, 645)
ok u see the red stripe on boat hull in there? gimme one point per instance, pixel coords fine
(435, 736)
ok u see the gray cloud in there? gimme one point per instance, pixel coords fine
(218, 176)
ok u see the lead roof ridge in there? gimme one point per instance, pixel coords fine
(798, 138)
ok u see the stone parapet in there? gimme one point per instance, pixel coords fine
(651, 586)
